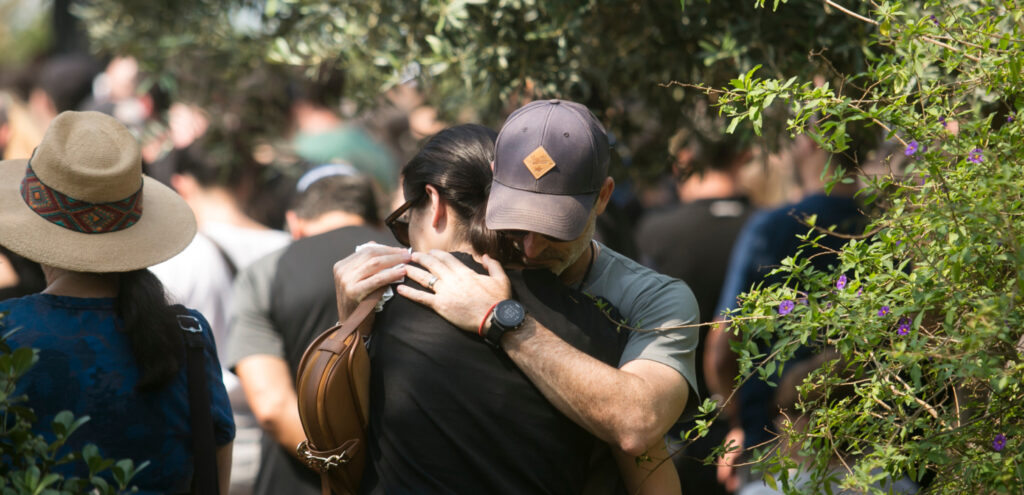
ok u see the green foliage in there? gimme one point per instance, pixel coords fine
(616, 56)
(24, 31)
(28, 459)
(925, 376)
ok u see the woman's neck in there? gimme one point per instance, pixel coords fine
(60, 282)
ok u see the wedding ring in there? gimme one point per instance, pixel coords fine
(433, 280)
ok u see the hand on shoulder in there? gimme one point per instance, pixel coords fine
(460, 295)
(368, 269)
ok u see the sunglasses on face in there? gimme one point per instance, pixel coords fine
(398, 222)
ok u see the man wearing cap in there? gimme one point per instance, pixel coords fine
(550, 184)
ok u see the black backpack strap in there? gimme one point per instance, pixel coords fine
(204, 450)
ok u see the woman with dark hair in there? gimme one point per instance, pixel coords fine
(109, 344)
(450, 413)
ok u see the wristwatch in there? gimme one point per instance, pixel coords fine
(508, 315)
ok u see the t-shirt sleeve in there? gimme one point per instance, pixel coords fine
(220, 405)
(251, 329)
(660, 309)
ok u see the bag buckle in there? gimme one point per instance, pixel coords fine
(189, 323)
(321, 464)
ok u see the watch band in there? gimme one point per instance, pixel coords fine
(494, 334)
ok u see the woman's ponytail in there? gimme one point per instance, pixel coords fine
(152, 327)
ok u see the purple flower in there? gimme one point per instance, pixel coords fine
(1009, 118)
(999, 442)
(860, 291)
(785, 307)
(976, 156)
(911, 148)
(904, 325)
(899, 242)
(942, 120)
(934, 20)
(884, 311)
(841, 283)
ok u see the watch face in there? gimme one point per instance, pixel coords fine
(509, 313)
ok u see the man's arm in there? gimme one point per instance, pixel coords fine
(720, 366)
(268, 388)
(630, 407)
(256, 355)
(224, 453)
(654, 475)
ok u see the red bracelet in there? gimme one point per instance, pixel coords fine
(480, 330)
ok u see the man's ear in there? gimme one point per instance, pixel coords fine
(296, 226)
(186, 185)
(437, 209)
(605, 194)
(5, 135)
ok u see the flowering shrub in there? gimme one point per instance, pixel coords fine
(924, 313)
(27, 459)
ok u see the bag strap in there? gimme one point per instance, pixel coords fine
(366, 308)
(204, 476)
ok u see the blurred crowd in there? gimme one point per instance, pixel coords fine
(719, 218)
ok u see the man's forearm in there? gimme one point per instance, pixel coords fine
(288, 431)
(283, 424)
(629, 408)
(268, 389)
(720, 368)
(655, 474)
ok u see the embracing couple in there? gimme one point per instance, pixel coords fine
(519, 355)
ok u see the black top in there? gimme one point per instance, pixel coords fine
(302, 305)
(302, 301)
(451, 414)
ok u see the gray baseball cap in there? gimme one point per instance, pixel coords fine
(550, 160)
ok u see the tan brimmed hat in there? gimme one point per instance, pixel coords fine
(82, 203)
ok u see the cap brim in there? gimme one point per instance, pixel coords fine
(166, 226)
(560, 216)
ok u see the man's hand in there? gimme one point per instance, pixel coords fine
(727, 463)
(365, 271)
(461, 295)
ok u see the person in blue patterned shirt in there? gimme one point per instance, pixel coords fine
(108, 341)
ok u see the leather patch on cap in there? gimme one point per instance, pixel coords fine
(539, 162)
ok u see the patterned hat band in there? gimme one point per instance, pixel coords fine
(76, 215)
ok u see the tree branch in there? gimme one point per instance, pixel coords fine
(851, 13)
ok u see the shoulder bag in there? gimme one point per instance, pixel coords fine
(333, 387)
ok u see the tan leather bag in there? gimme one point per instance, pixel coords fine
(333, 386)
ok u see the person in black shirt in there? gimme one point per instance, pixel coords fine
(450, 413)
(283, 301)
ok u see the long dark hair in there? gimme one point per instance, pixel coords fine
(457, 162)
(152, 327)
